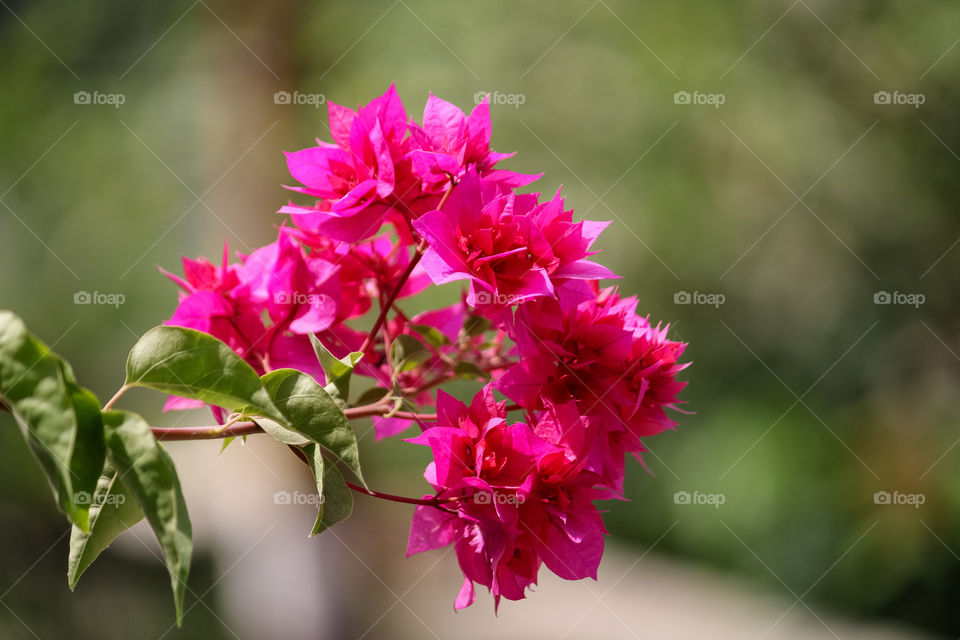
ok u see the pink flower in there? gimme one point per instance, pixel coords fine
(446, 344)
(297, 294)
(601, 357)
(450, 142)
(398, 205)
(509, 501)
(300, 293)
(510, 248)
(360, 166)
(361, 175)
(365, 269)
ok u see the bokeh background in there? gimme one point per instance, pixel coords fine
(797, 202)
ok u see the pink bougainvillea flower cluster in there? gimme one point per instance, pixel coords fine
(393, 207)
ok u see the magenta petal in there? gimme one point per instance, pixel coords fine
(176, 403)
(571, 559)
(319, 315)
(479, 128)
(431, 528)
(439, 270)
(591, 229)
(427, 164)
(344, 228)
(197, 310)
(584, 270)
(341, 120)
(443, 122)
(511, 179)
(311, 166)
(385, 175)
(386, 427)
(467, 595)
(355, 199)
(448, 320)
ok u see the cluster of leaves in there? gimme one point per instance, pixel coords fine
(108, 471)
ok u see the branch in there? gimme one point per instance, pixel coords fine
(414, 261)
(385, 306)
(430, 502)
(219, 431)
(122, 390)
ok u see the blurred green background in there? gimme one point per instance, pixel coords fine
(799, 199)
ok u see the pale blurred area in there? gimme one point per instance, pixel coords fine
(352, 582)
(800, 199)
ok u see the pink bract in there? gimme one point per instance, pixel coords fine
(397, 206)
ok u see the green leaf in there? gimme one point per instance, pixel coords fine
(280, 433)
(148, 472)
(474, 326)
(337, 370)
(407, 352)
(113, 510)
(192, 364)
(59, 420)
(372, 395)
(310, 411)
(431, 334)
(228, 441)
(336, 499)
(89, 449)
(468, 370)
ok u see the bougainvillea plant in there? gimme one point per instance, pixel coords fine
(570, 379)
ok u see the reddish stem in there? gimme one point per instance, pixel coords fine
(450, 375)
(414, 261)
(206, 432)
(115, 397)
(247, 428)
(430, 502)
(385, 306)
